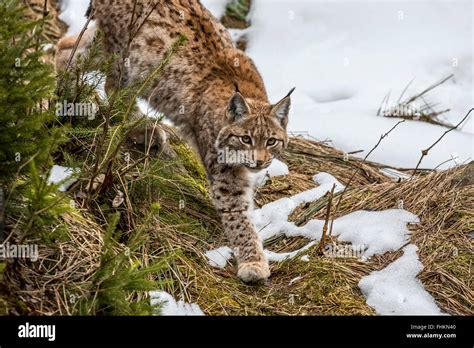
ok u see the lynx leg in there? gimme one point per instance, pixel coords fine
(232, 195)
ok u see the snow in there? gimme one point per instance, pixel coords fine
(169, 306)
(395, 290)
(390, 291)
(216, 7)
(395, 175)
(60, 174)
(272, 219)
(304, 258)
(219, 257)
(73, 13)
(379, 231)
(276, 168)
(373, 232)
(344, 56)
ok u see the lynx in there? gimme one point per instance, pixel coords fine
(211, 91)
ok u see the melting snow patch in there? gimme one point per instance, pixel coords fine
(395, 290)
(61, 174)
(272, 219)
(169, 306)
(378, 231)
(276, 168)
(373, 232)
(219, 257)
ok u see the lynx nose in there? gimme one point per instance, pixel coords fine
(260, 163)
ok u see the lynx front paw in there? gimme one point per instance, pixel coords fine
(252, 272)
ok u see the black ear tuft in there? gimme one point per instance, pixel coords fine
(291, 91)
(281, 109)
(237, 108)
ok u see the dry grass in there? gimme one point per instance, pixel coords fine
(444, 201)
(329, 286)
(46, 285)
(324, 286)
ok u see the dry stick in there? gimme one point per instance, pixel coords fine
(355, 172)
(73, 52)
(76, 44)
(322, 242)
(427, 150)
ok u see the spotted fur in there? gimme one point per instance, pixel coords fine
(213, 92)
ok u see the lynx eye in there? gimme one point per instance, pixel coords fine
(246, 139)
(271, 142)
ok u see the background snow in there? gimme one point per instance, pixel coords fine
(216, 7)
(395, 290)
(73, 13)
(344, 56)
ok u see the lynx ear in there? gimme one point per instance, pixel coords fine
(237, 108)
(281, 109)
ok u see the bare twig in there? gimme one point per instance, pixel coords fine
(76, 44)
(322, 242)
(427, 150)
(383, 136)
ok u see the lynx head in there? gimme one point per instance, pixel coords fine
(255, 133)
